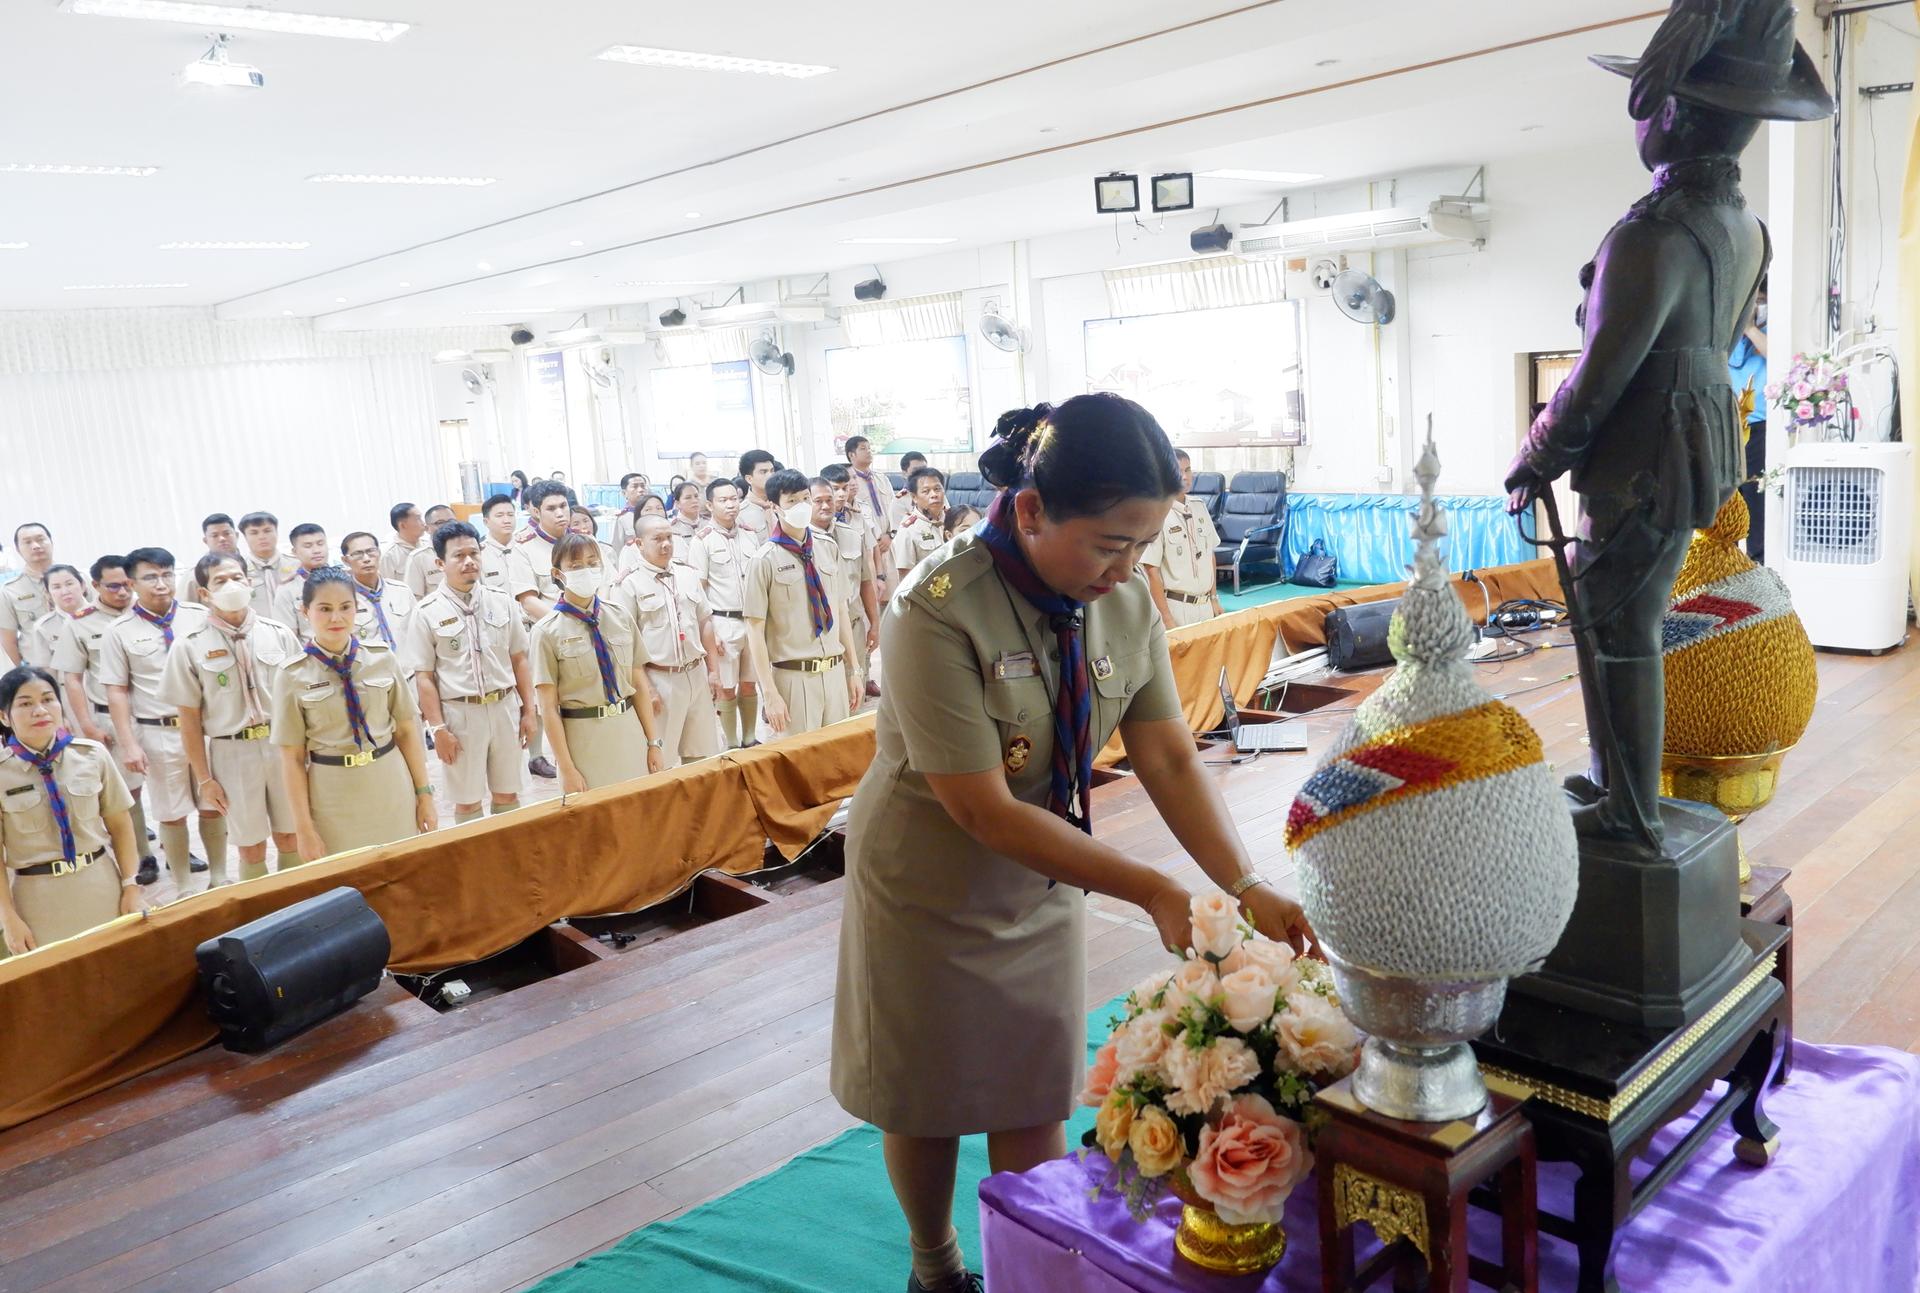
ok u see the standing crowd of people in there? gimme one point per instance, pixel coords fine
(296, 692)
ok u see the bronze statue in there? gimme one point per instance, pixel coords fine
(1646, 422)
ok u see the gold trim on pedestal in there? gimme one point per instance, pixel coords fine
(1610, 1110)
(1393, 1212)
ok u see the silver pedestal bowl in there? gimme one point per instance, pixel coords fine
(1416, 1064)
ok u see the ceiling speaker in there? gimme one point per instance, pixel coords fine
(673, 318)
(1215, 237)
(871, 290)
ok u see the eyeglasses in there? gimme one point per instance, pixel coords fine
(155, 578)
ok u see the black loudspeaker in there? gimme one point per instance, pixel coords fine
(673, 318)
(870, 290)
(272, 977)
(1357, 635)
(1215, 237)
(520, 337)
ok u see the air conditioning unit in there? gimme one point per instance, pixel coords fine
(1448, 220)
(1849, 520)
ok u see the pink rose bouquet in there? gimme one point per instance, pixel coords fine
(1814, 395)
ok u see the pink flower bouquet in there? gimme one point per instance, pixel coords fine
(1212, 1067)
(1814, 394)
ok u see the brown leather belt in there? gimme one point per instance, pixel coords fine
(358, 759)
(1191, 599)
(688, 667)
(731, 615)
(488, 698)
(62, 866)
(597, 711)
(258, 732)
(158, 722)
(818, 664)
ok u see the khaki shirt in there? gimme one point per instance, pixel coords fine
(37, 643)
(756, 518)
(135, 657)
(562, 652)
(78, 645)
(868, 487)
(90, 783)
(1184, 550)
(268, 578)
(855, 542)
(287, 608)
(494, 561)
(915, 541)
(394, 558)
(720, 559)
(423, 572)
(776, 592)
(668, 607)
(204, 673)
(531, 569)
(622, 528)
(683, 532)
(466, 643)
(23, 600)
(395, 601)
(310, 706)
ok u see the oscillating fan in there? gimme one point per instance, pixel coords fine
(475, 382)
(1361, 298)
(767, 356)
(603, 373)
(1003, 333)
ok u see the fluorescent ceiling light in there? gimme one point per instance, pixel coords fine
(895, 242)
(234, 246)
(220, 17)
(657, 282)
(52, 168)
(120, 287)
(13, 246)
(647, 56)
(518, 309)
(484, 267)
(217, 68)
(453, 181)
(1262, 177)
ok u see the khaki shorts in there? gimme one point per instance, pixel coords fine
(250, 773)
(491, 762)
(690, 726)
(1185, 613)
(732, 636)
(813, 699)
(169, 779)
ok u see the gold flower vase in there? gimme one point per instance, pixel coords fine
(1220, 1246)
(1736, 784)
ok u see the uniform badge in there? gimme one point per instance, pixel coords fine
(222, 680)
(937, 587)
(1103, 668)
(1019, 750)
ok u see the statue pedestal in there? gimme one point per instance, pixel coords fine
(1653, 941)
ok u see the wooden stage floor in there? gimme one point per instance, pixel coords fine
(398, 1148)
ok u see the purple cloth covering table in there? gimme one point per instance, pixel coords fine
(1837, 1211)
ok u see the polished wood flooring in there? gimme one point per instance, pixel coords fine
(396, 1148)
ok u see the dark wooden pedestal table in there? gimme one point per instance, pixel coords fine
(1410, 1182)
(1601, 1090)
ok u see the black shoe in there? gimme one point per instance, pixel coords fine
(542, 768)
(873, 691)
(151, 837)
(196, 864)
(149, 870)
(969, 1283)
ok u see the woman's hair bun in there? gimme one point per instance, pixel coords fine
(1004, 464)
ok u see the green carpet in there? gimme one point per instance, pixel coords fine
(1262, 594)
(825, 1222)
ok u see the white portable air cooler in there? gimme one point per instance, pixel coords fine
(1849, 520)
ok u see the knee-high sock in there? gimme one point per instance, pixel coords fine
(730, 722)
(173, 844)
(286, 859)
(253, 870)
(466, 814)
(213, 834)
(496, 807)
(537, 745)
(749, 717)
(140, 840)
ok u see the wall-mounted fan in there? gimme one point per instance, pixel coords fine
(1323, 273)
(767, 356)
(1003, 333)
(478, 381)
(1361, 298)
(601, 370)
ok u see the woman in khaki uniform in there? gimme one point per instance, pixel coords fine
(960, 1005)
(340, 709)
(588, 671)
(61, 801)
(1179, 564)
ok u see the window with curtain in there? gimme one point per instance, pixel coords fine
(1230, 376)
(902, 395)
(705, 408)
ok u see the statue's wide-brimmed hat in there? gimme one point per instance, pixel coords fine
(1751, 65)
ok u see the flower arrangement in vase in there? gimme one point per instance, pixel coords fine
(1203, 1086)
(1815, 395)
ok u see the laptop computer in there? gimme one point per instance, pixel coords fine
(1251, 738)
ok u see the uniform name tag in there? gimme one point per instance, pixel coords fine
(21, 790)
(1016, 664)
(220, 653)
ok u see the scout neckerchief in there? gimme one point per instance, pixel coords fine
(43, 764)
(240, 640)
(162, 622)
(817, 604)
(374, 594)
(1073, 705)
(591, 618)
(342, 666)
(469, 607)
(873, 492)
(672, 592)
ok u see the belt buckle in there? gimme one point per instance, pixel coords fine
(257, 732)
(63, 867)
(609, 711)
(358, 759)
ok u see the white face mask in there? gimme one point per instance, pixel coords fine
(798, 516)
(231, 597)
(584, 581)
(1760, 315)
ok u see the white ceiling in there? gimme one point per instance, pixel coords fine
(981, 122)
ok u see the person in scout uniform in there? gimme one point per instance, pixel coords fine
(1011, 659)
(530, 580)
(497, 517)
(466, 647)
(66, 598)
(385, 606)
(720, 555)
(669, 608)
(77, 653)
(220, 678)
(688, 515)
(852, 536)
(756, 515)
(267, 566)
(340, 710)
(911, 461)
(920, 535)
(591, 680)
(423, 567)
(147, 727)
(699, 473)
(1179, 564)
(581, 521)
(633, 489)
(310, 553)
(217, 532)
(23, 600)
(872, 501)
(61, 804)
(797, 633)
(409, 529)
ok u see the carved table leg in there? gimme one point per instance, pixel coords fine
(1601, 1198)
(1759, 1136)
